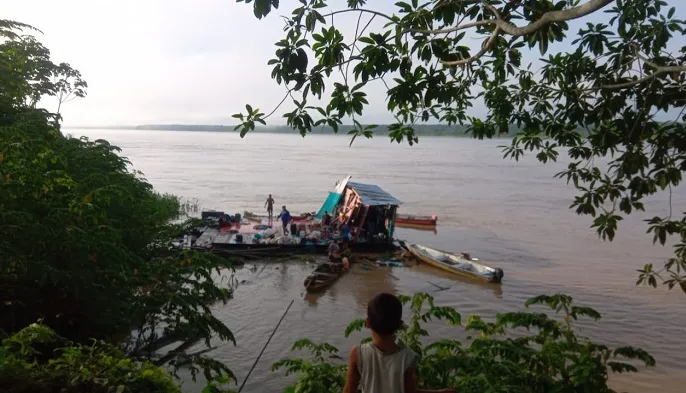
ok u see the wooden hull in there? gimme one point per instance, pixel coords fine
(416, 220)
(455, 264)
(289, 249)
(321, 279)
(425, 228)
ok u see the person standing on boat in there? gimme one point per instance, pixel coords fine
(269, 204)
(334, 251)
(326, 221)
(345, 232)
(285, 218)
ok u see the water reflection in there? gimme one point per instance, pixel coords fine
(364, 283)
(447, 280)
(361, 283)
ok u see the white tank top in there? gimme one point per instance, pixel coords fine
(383, 372)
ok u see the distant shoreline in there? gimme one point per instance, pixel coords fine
(433, 130)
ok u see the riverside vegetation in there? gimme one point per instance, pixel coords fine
(84, 253)
(85, 257)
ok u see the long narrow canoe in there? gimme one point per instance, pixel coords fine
(416, 220)
(461, 264)
(323, 277)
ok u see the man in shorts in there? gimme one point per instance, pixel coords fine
(269, 204)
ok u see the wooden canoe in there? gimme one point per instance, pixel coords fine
(416, 220)
(460, 264)
(323, 277)
(424, 228)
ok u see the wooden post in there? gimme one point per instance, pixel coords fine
(391, 224)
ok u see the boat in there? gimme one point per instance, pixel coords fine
(460, 264)
(323, 277)
(424, 228)
(401, 219)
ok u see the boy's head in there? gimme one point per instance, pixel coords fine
(384, 314)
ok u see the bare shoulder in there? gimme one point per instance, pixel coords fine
(353, 359)
(353, 353)
(411, 357)
(409, 351)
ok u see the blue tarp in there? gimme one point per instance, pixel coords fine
(329, 205)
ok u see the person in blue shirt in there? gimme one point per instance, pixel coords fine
(345, 231)
(285, 218)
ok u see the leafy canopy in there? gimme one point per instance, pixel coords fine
(613, 103)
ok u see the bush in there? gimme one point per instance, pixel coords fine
(498, 357)
(36, 359)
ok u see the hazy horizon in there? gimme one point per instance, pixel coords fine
(183, 61)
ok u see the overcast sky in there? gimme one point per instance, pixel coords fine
(173, 61)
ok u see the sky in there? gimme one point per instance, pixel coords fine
(174, 61)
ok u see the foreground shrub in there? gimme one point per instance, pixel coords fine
(36, 359)
(498, 357)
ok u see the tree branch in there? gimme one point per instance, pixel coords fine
(471, 59)
(503, 26)
(456, 28)
(552, 17)
(381, 14)
(289, 90)
(659, 70)
(516, 31)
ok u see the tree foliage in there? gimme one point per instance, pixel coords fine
(612, 100)
(36, 359)
(86, 242)
(499, 356)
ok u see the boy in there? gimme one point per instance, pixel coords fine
(383, 366)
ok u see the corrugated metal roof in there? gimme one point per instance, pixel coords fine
(373, 195)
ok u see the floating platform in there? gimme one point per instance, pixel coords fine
(237, 240)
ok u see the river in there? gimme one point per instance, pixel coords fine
(511, 214)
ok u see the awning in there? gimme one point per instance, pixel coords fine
(373, 195)
(329, 205)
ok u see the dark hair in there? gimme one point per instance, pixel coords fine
(385, 314)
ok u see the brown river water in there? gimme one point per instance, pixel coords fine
(512, 215)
